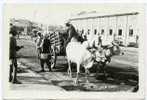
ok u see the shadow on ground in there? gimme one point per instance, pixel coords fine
(118, 79)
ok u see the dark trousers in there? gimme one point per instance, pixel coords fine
(47, 61)
(38, 52)
(13, 70)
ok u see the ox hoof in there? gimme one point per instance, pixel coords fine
(87, 81)
(70, 75)
(76, 82)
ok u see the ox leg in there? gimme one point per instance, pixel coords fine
(87, 73)
(78, 71)
(69, 69)
(103, 65)
(104, 70)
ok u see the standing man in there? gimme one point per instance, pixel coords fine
(38, 43)
(12, 55)
(45, 55)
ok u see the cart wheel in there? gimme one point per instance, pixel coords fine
(53, 57)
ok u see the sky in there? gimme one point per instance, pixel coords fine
(58, 14)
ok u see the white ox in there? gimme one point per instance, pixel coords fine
(78, 54)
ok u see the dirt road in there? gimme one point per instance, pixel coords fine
(122, 71)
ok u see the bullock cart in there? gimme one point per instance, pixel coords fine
(57, 40)
(58, 49)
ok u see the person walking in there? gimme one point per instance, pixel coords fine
(45, 55)
(38, 43)
(12, 55)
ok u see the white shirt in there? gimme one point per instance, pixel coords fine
(38, 42)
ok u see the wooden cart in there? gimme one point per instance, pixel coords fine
(57, 46)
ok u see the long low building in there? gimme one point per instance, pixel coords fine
(122, 26)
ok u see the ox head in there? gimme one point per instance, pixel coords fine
(115, 49)
(105, 53)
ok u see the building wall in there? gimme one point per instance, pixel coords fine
(115, 26)
(132, 24)
(121, 26)
(112, 25)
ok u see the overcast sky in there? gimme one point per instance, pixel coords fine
(57, 14)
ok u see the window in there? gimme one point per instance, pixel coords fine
(120, 32)
(130, 32)
(95, 31)
(110, 32)
(102, 31)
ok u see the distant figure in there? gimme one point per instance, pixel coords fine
(38, 43)
(137, 39)
(19, 34)
(45, 55)
(88, 34)
(85, 38)
(13, 57)
(100, 40)
(83, 35)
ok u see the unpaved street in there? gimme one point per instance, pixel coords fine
(122, 72)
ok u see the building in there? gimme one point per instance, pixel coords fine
(26, 25)
(122, 26)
